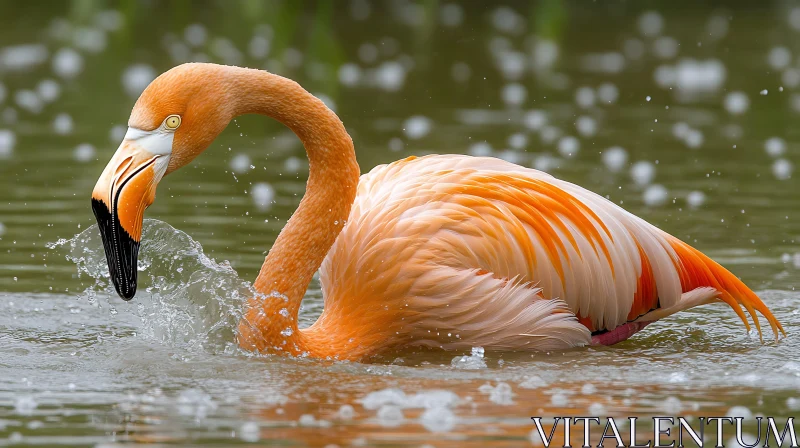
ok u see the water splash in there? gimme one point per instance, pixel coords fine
(188, 300)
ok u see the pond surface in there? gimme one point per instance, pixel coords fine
(684, 114)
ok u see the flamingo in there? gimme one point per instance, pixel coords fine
(441, 251)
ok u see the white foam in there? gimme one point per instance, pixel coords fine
(474, 361)
(390, 76)
(25, 405)
(29, 101)
(533, 382)
(22, 57)
(694, 138)
(545, 54)
(518, 140)
(346, 412)
(390, 416)
(439, 419)
(250, 432)
(293, 164)
(136, 78)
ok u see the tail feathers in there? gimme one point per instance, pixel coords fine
(697, 271)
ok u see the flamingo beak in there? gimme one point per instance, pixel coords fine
(125, 189)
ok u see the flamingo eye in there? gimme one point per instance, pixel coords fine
(172, 122)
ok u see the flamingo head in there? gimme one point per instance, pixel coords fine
(177, 117)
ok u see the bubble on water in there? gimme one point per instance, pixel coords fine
(717, 26)
(689, 76)
(695, 199)
(250, 432)
(360, 9)
(346, 412)
(793, 403)
(607, 93)
(779, 58)
(195, 403)
(25, 405)
(136, 78)
(195, 35)
(29, 101)
(790, 78)
(737, 103)
(672, 406)
(22, 57)
(67, 63)
(782, 169)
(293, 164)
(368, 52)
(739, 411)
(585, 97)
(501, 393)
(655, 195)
(588, 389)
(83, 153)
(7, 141)
(390, 76)
(680, 130)
(643, 172)
(2, 229)
(775, 146)
(533, 382)
(480, 149)
(550, 134)
(559, 399)
(62, 124)
(461, 72)
(597, 409)
(535, 120)
(451, 15)
(507, 20)
(514, 94)
(546, 162)
(396, 144)
(417, 127)
(545, 54)
(349, 74)
(615, 158)
(694, 138)
(263, 195)
(586, 126)
(92, 40)
(258, 47)
(117, 133)
(109, 20)
(568, 146)
(633, 48)
(390, 416)
(651, 23)
(474, 361)
(665, 47)
(438, 419)
(518, 140)
(48, 90)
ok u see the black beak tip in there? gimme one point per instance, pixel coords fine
(122, 251)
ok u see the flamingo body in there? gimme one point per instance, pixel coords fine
(443, 251)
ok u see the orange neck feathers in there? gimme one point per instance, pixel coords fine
(270, 321)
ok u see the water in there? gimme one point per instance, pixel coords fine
(80, 367)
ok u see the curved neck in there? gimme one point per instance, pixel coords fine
(311, 231)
